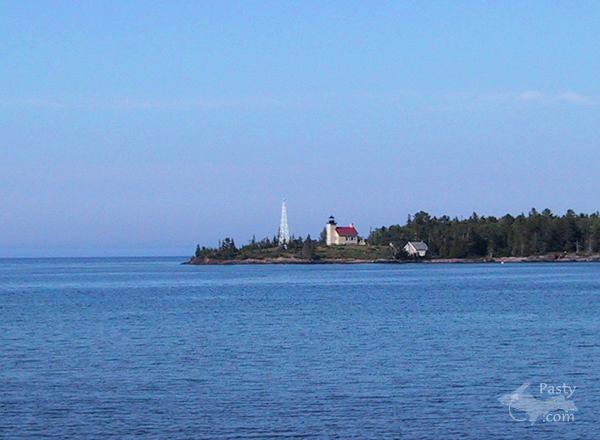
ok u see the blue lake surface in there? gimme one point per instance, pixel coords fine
(148, 348)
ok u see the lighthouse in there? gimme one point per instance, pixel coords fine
(340, 235)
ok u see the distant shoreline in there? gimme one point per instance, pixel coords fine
(568, 258)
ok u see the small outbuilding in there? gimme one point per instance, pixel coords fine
(416, 248)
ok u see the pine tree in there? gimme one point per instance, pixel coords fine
(308, 249)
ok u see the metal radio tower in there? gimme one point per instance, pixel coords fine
(284, 231)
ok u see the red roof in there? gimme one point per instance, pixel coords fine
(347, 231)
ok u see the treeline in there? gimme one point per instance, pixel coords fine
(227, 249)
(478, 236)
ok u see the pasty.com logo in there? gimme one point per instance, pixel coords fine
(549, 403)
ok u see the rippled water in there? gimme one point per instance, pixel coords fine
(122, 348)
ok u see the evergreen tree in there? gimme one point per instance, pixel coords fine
(323, 236)
(308, 249)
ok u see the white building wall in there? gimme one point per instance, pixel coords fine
(332, 236)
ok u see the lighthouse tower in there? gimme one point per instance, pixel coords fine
(330, 229)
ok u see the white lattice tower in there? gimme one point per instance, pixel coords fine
(284, 231)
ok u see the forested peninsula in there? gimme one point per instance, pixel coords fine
(536, 236)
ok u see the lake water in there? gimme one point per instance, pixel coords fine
(148, 348)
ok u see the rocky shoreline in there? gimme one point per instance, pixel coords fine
(553, 258)
(282, 260)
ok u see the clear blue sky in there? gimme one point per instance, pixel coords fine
(143, 128)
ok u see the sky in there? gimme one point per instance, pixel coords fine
(146, 127)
